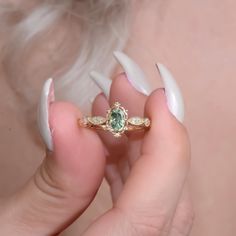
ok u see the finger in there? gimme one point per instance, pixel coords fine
(113, 145)
(114, 180)
(153, 189)
(184, 216)
(123, 92)
(116, 170)
(134, 102)
(64, 184)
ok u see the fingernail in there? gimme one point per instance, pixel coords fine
(47, 96)
(91, 99)
(134, 73)
(174, 97)
(102, 82)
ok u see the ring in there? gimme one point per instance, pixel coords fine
(116, 121)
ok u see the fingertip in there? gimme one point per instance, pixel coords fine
(123, 90)
(119, 81)
(61, 113)
(118, 87)
(156, 104)
(63, 123)
(156, 108)
(100, 105)
(72, 144)
(166, 131)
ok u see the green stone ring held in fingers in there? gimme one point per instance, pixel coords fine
(116, 121)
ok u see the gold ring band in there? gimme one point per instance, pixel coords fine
(116, 121)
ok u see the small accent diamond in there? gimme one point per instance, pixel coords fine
(136, 121)
(97, 120)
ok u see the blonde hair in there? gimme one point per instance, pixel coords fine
(77, 35)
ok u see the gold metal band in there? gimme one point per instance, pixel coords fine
(116, 121)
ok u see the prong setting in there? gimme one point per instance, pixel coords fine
(117, 117)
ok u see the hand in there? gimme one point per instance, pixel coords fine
(147, 177)
(146, 172)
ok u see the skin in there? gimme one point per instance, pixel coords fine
(149, 202)
(207, 56)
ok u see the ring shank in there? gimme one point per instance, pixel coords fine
(88, 122)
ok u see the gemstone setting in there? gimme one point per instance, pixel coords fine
(117, 120)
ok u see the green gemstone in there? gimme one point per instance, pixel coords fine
(117, 119)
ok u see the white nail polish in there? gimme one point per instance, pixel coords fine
(91, 99)
(102, 82)
(47, 96)
(174, 98)
(134, 73)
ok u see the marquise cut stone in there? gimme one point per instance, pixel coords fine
(136, 121)
(97, 120)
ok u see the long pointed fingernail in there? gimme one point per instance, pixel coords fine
(134, 73)
(174, 97)
(102, 82)
(47, 96)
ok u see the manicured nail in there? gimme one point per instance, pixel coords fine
(134, 73)
(174, 97)
(102, 82)
(138, 80)
(47, 96)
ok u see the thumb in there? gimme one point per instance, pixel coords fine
(156, 181)
(65, 183)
